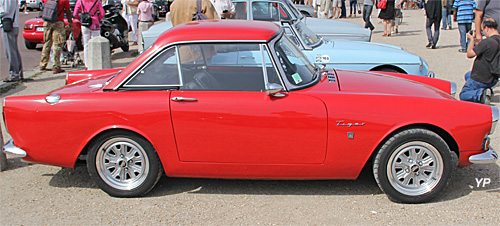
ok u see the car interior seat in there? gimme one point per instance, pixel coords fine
(203, 80)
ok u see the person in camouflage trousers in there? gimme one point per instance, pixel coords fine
(54, 36)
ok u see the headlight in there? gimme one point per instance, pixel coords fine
(495, 114)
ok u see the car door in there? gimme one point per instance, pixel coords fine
(222, 113)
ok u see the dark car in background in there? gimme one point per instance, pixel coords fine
(163, 6)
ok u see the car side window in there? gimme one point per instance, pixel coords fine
(269, 11)
(225, 67)
(240, 10)
(162, 71)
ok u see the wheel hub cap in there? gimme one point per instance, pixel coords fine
(415, 168)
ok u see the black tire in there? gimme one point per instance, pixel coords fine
(389, 69)
(29, 45)
(425, 173)
(137, 163)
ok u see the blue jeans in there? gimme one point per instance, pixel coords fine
(446, 18)
(463, 29)
(367, 11)
(472, 89)
(352, 9)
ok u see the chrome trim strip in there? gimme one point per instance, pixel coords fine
(375, 64)
(487, 157)
(10, 148)
(495, 114)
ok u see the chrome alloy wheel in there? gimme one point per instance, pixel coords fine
(122, 163)
(415, 168)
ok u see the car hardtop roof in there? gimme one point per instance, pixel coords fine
(219, 30)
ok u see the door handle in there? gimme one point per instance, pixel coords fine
(186, 99)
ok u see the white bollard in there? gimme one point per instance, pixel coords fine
(99, 53)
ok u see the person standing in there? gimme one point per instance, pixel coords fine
(337, 4)
(367, 12)
(9, 9)
(183, 11)
(325, 8)
(132, 18)
(225, 8)
(146, 20)
(92, 7)
(433, 12)
(352, 8)
(54, 36)
(478, 82)
(446, 14)
(486, 9)
(463, 15)
(387, 15)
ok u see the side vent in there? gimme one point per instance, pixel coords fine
(331, 77)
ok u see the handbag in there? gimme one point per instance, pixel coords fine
(86, 18)
(199, 15)
(8, 23)
(382, 4)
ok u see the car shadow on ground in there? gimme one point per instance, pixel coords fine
(463, 182)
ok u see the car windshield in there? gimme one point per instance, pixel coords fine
(294, 9)
(309, 37)
(298, 70)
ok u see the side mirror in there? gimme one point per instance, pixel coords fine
(274, 89)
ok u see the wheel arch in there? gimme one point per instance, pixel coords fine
(450, 141)
(85, 149)
(388, 67)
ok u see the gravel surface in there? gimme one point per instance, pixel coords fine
(33, 194)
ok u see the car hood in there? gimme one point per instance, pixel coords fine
(338, 30)
(345, 52)
(89, 81)
(370, 83)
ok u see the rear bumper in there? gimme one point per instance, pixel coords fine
(489, 156)
(11, 149)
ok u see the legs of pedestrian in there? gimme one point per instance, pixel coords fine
(463, 28)
(474, 91)
(367, 11)
(12, 54)
(87, 34)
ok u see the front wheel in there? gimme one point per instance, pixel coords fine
(123, 164)
(413, 166)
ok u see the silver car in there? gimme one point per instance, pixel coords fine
(280, 11)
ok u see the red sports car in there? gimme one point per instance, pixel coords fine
(237, 99)
(33, 32)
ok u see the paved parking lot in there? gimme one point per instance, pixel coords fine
(33, 194)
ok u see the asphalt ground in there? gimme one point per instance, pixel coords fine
(32, 194)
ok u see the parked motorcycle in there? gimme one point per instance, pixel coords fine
(114, 27)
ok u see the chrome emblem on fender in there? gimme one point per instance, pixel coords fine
(349, 124)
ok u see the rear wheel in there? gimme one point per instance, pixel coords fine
(123, 164)
(413, 166)
(388, 69)
(29, 45)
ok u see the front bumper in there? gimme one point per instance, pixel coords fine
(489, 156)
(10, 148)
